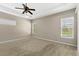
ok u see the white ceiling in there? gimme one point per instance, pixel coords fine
(42, 9)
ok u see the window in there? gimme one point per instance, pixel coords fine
(67, 27)
(7, 22)
(33, 27)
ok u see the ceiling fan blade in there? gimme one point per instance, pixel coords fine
(32, 9)
(30, 12)
(23, 12)
(24, 6)
(19, 8)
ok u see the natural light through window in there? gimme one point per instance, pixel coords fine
(67, 27)
(8, 22)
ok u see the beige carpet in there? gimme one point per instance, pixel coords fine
(36, 47)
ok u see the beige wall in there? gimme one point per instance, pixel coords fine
(50, 27)
(9, 32)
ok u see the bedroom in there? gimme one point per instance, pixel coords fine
(49, 29)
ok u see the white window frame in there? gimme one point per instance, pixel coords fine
(67, 18)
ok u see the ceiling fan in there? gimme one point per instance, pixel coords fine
(26, 9)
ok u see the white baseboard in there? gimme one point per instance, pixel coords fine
(16, 39)
(23, 37)
(55, 41)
